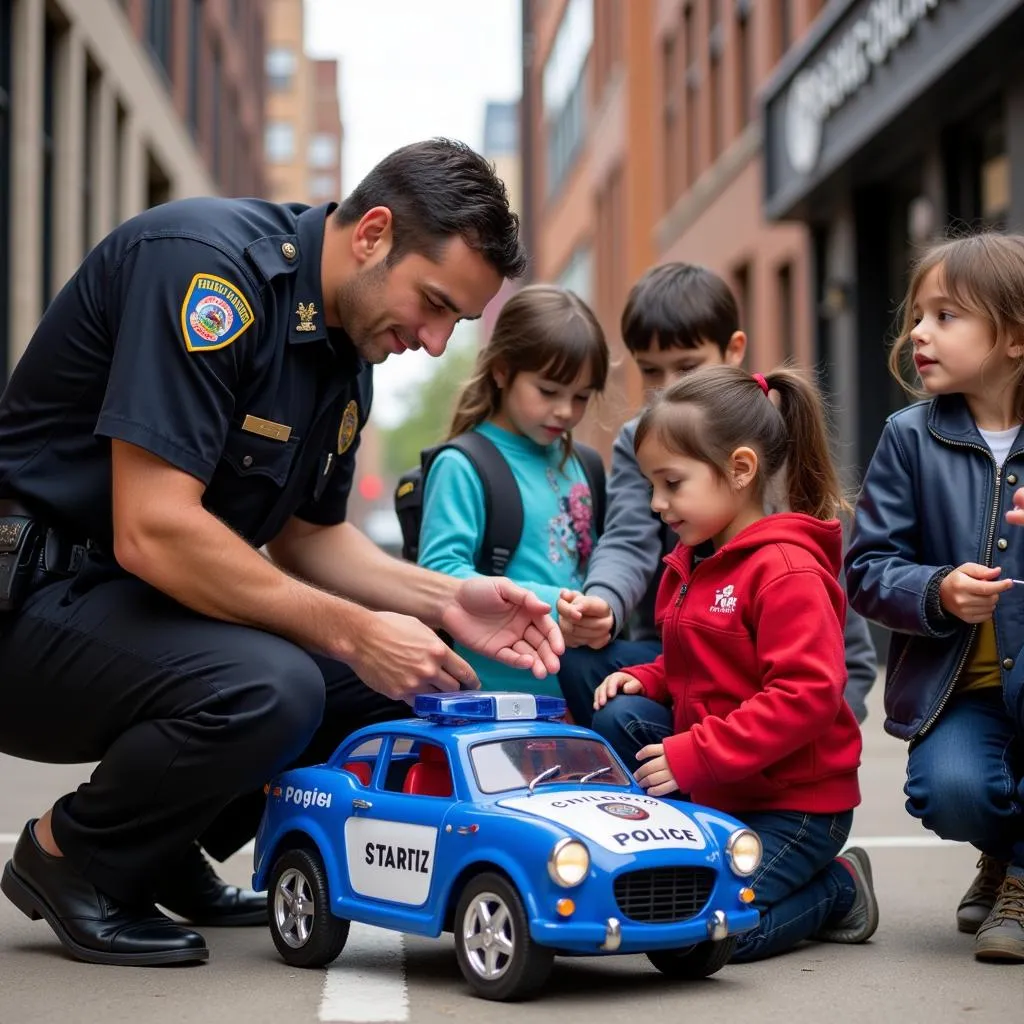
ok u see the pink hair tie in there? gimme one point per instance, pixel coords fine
(761, 382)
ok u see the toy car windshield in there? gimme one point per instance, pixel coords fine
(501, 765)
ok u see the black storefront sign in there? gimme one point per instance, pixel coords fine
(859, 68)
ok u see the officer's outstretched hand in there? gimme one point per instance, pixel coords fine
(506, 622)
(399, 656)
(1016, 514)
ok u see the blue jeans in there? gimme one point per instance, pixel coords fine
(799, 887)
(584, 669)
(965, 777)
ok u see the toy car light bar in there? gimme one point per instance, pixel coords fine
(491, 707)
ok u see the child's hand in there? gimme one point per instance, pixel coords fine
(1016, 514)
(971, 591)
(655, 775)
(568, 612)
(585, 621)
(612, 685)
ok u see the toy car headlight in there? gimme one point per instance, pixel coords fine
(743, 851)
(569, 863)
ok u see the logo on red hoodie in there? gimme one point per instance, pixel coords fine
(725, 603)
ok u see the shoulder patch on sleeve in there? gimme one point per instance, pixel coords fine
(214, 313)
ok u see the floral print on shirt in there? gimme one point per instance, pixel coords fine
(569, 532)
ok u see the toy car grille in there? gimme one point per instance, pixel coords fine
(660, 895)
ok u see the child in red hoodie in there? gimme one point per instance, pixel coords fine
(744, 710)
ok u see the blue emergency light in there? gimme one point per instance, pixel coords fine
(451, 708)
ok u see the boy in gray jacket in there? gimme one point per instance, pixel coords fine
(678, 318)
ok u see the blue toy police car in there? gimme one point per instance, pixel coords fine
(523, 836)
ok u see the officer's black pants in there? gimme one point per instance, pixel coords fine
(187, 716)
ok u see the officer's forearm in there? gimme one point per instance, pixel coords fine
(344, 560)
(194, 558)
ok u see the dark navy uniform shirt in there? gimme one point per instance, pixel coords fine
(195, 331)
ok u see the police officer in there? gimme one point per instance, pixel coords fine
(193, 395)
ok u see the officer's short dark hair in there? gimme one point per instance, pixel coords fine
(436, 190)
(679, 305)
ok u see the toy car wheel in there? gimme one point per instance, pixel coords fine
(304, 930)
(700, 961)
(492, 941)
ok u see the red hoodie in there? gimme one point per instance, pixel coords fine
(754, 670)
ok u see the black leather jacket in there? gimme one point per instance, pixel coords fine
(933, 499)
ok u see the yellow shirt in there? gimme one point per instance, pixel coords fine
(982, 669)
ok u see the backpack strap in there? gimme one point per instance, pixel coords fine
(503, 503)
(593, 468)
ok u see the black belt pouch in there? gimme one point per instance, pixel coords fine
(19, 552)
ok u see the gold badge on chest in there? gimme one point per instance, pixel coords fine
(348, 428)
(306, 312)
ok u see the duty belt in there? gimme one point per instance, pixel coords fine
(32, 553)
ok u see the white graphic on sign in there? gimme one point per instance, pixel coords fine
(390, 860)
(818, 91)
(620, 822)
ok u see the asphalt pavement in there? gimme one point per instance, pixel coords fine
(918, 968)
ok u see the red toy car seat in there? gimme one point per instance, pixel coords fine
(429, 776)
(360, 769)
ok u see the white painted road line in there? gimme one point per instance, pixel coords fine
(367, 982)
(900, 842)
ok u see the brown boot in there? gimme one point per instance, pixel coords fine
(1001, 937)
(978, 900)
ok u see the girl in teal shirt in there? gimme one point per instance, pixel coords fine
(531, 385)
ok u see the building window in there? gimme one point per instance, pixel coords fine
(121, 211)
(5, 185)
(280, 142)
(281, 64)
(742, 286)
(92, 102)
(195, 36)
(324, 150)
(50, 47)
(995, 178)
(159, 31)
(715, 47)
(323, 187)
(158, 185)
(786, 309)
(670, 117)
(692, 87)
(744, 63)
(564, 90)
(578, 273)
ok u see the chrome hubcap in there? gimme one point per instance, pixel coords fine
(488, 936)
(294, 908)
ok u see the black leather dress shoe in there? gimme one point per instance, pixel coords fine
(194, 891)
(92, 926)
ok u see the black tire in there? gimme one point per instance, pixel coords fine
(700, 961)
(314, 936)
(515, 967)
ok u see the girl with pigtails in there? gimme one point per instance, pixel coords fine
(744, 709)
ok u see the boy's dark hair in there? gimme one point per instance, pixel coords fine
(436, 190)
(679, 305)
